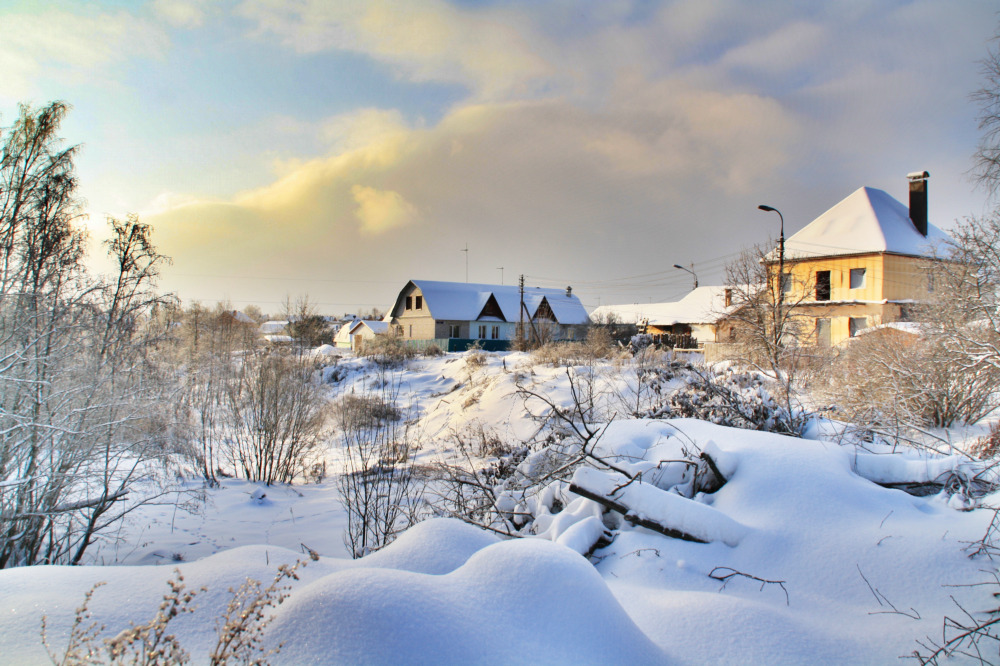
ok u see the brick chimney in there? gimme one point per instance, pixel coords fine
(918, 200)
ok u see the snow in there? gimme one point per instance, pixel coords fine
(868, 220)
(804, 513)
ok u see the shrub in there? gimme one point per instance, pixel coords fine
(387, 350)
(475, 357)
(432, 350)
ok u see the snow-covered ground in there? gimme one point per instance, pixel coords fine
(857, 572)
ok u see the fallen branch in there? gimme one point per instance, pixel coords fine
(732, 573)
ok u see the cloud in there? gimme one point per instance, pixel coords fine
(379, 210)
(70, 47)
(489, 50)
(181, 13)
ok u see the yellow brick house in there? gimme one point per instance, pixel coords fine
(861, 263)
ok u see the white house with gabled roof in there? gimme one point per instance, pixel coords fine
(432, 310)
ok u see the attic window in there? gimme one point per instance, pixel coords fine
(419, 302)
(729, 297)
(409, 302)
(857, 278)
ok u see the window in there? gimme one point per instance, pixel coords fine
(786, 283)
(822, 285)
(930, 283)
(729, 297)
(823, 332)
(482, 331)
(858, 324)
(454, 330)
(409, 302)
(857, 278)
(411, 330)
(419, 302)
(495, 333)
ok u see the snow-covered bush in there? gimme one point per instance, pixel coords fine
(736, 399)
(912, 377)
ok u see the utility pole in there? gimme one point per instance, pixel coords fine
(520, 326)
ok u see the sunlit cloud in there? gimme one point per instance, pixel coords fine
(489, 50)
(380, 210)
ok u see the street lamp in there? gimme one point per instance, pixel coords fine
(691, 271)
(781, 254)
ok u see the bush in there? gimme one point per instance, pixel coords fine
(365, 411)
(905, 378)
(432, 350)
(387, 350)
(240, 629)
(475, 357)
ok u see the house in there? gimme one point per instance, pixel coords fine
(489, 313)
(275, 332)
(342, 339)
(863, 262)
(701, 315)
(364, 329)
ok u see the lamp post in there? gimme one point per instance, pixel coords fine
(781, 254)
(691, 271)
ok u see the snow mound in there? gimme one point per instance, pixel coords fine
(523, 601)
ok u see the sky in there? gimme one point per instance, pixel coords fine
(335, 150)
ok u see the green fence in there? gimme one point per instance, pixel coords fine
(459, 344)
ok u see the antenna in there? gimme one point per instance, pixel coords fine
(500, 268)
(466, 251)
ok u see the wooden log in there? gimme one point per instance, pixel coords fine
(631, 517)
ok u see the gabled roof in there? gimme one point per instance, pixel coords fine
(375, 327)
(869, 220)
(704, 305)
(463, 301)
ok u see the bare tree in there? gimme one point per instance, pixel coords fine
(77, 382)
(768, 325)
(987, 157)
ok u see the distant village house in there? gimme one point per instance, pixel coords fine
(453, 314)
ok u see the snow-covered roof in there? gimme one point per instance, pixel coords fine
(869, 220)
(704, 305)
(274, 327)
(344, 332)
(463, 301)
(375, 327)
(243, 318)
